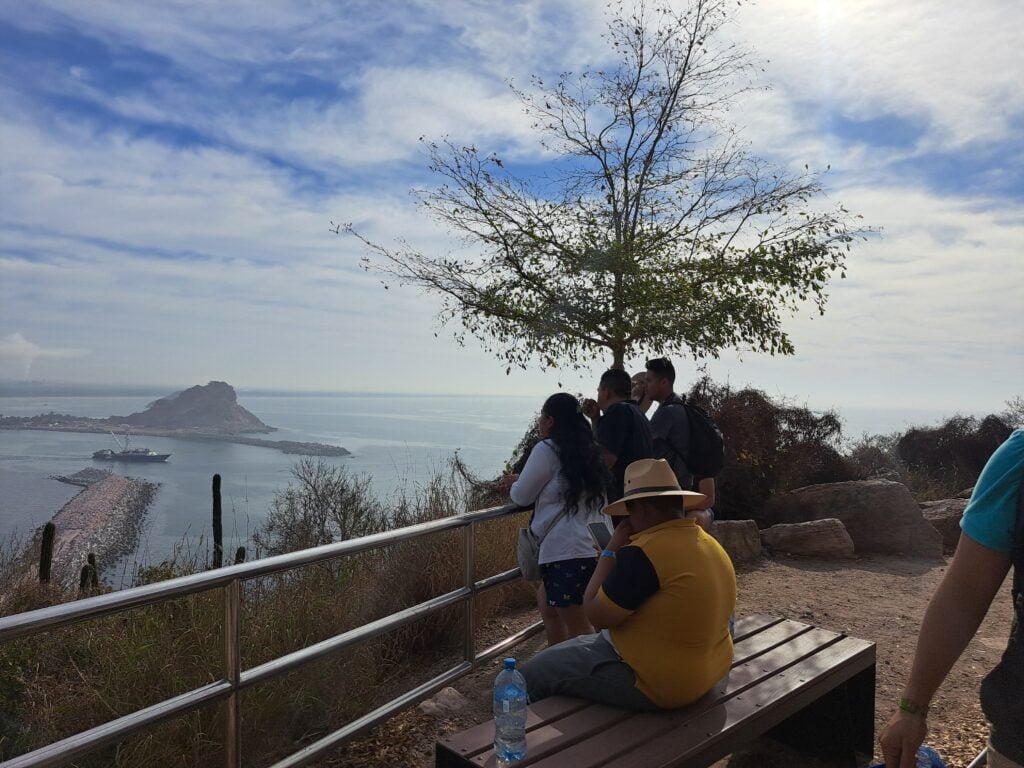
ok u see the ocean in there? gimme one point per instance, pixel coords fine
(399, 441)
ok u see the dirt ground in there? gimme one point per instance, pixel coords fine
(880, 598)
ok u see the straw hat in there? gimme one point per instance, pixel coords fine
(653, 477)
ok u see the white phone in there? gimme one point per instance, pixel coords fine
(600, 533)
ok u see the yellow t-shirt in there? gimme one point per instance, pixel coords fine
(677, 588)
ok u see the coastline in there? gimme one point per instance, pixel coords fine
(285, 446)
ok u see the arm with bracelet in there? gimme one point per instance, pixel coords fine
(956, 610)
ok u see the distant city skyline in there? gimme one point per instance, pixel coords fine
(169, 172)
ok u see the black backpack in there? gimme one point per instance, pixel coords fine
(706, 454)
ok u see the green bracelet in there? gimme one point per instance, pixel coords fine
(912, 707)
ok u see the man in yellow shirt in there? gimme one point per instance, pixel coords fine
(662, 595)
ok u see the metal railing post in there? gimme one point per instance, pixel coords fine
(469, 544)
(232, 672)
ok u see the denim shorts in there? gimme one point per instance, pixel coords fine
(565, 581)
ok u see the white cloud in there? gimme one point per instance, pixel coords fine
(952, 66)
(17, 354)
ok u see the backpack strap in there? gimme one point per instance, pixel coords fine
(681, 403)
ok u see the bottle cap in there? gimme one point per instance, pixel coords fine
(510, 663)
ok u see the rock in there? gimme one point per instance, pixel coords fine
(818, 538)
(945, 517)
(212, 407)
(879, 515)
(739, 538)
(448, 700)
(965, 493)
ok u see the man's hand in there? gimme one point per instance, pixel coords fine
(900, 738)
(620, 536)
(590, 409)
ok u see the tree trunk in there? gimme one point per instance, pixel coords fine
(618, 355)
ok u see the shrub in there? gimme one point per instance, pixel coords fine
(770, 447)
(945, 459)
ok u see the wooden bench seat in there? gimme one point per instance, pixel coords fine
(809, 686)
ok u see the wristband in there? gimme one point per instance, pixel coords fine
(912, 707)
(608, 553)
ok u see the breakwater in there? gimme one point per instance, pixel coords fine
(105, 519)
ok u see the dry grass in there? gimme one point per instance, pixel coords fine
(63, 682)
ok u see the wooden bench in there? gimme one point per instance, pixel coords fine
(808, 686)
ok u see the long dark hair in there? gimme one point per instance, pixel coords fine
(582, 464)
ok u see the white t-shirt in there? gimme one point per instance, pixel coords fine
(541, 483)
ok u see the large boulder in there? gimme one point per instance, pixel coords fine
(945, 518)
(815, 538)
(740, 538)
(879, 515)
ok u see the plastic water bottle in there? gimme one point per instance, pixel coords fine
(509, 714)
(926, 758)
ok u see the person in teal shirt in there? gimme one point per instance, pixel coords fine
(993, 540)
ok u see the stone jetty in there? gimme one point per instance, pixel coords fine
(105, 518)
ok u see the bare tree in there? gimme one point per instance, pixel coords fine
(654, 230)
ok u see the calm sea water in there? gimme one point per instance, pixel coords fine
(398, 441)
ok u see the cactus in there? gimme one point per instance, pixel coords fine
(46, 552)
(84, 578)
(239, 555)
(88, 579)
(218, 528)
(94, 578)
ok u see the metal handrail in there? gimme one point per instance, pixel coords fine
(235, 678)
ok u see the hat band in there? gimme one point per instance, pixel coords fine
(651, 489)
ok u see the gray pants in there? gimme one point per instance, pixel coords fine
(587, 667)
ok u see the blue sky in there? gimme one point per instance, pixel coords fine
(169, 172)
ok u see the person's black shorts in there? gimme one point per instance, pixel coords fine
(565, 581)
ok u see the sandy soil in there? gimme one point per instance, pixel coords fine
(881, 598)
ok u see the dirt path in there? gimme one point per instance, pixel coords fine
(881, 598)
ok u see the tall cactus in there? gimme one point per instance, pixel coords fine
(218, 528)
(46, 552)
(88, 579)
(85, 579)
(94, 573)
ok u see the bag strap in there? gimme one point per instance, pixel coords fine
(552, 524)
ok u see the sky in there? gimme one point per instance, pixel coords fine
(169, 172)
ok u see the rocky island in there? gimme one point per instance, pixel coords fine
(204, 412)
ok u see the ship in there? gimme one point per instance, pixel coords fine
(127, 453)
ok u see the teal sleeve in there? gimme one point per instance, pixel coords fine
(991, 514)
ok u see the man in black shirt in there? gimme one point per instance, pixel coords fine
(620, 428)
(670, 427)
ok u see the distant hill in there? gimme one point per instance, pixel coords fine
(211, 408)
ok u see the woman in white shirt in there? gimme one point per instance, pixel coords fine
(564, 480)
